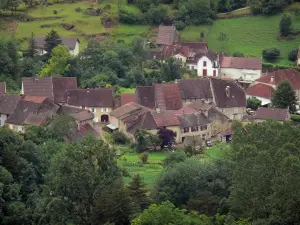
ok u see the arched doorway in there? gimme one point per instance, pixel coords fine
(104, 118)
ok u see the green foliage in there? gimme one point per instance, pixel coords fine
(119, 137)
(167, 213)
(58, 63)
(267, 6)
(271, 53)
(171, 70)
(285, 25)
(51, 41)
(144, 157)
(180, 25)
(253, 103)
(142, 141)
(128, 17)
(295, 118)
(155, 14)
(238, 54)
(284, 96)
(265, 163)
(293, 55)
(31, 46)
(174, 157)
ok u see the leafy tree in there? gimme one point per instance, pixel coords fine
(60, 126)
(155, 14)
(167, 136)
(138, 194)
(142, 141)
(30, 66)
(51, 41)
(9, 58)
(167, 213)
(285, 24)
(267, 6)
(171, 70)
(284, 96)
(174, 157)
(31, 46)
(293, 55)
(155, 140)
(119, 137)
(253, 103)
(144, 157)
(238, 54)
(271, 53)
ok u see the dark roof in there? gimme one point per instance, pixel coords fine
(167, 35)
(34, 119)
(272, 114)
(69, 42)
(83, 115)
(8, 103)
(128, 110)
(236, 95)
(167, 96)
(53, 88)
(275, 77)
(126, 98)
(193, 120)
(201, 105)
(98, 97)
(76, 134)
(196, 45)
(2, 88)
(69, 110)
(165, 118)
(261, 90)
(145, 96)
(195, 89)
(25, 108)
(240, 63)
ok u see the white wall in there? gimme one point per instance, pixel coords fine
(298, 62)
(244, 74)
(180, 58)
(3, 118)
(208, 67)
(76, 49)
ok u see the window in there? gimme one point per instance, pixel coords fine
(203, 137)
(204, 127)
(204, 73)
(215, 64)
(195, 129)
(193, 68)
(204, 63)
(214, 73)
(93, 110)
(104, 109)
(186, 130)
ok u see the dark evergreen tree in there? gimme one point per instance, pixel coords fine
(51, 41)
(31, 46)
(285, 97)
(285, 24)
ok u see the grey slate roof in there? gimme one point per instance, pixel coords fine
(193, 120)
(195, 89)
(8, 103)
(69, 42)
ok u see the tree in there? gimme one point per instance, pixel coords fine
(293, 55)
(285, 25)
(253, 103)
(58, 64)
(167, 136)
(138, 194)
(284, 97)
(31, 46)
(155, 14)
(267, 6)
(271, 53)
(174, 157)
(51, 41)
(167, 213)
(142, 141)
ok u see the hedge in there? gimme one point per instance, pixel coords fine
(295, 118)
(271, 67)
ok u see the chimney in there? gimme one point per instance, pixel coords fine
(227, 90)
(272, 79)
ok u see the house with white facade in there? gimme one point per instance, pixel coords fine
(245, 70)
(71, 42)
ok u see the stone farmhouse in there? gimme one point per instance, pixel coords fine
(71, 42)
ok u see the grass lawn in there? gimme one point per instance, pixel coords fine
(217, 151)
(192, 33)
(127, 90)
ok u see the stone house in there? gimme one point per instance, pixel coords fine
(54, 88)
(99, 101)
(72, 43)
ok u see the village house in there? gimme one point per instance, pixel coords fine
(167, 35)
(274, 78)
(54, 88)
(2, 88)
(245, 70)
(262, 92)
(8, 103)
(31, 110)
(71, 42)
(99, 101)
(263, 114)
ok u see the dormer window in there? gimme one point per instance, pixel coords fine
(204, 63)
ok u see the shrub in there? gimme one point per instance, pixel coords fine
(180, 25)
(295, 118)
(144, 157)
(253, 103)
(174, 157)
(285, 24)
(55, 11)
(119, 137)
(238, 54)
(78, 9)
(271, 53)
(128, 17)
(293, 55)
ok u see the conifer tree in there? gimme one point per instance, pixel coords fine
(51, 41)
(31, 46)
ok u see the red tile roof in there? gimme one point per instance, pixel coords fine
(167, 35)
(2, 88)
(34, 119)
(145, 96)
(261, 90)
(165, 118)
(128, 109)
(272, 114)
(240, 63)
(185, 110)
(126, 98)
(35, 99)
(275, 77)
(83, 116)
(167, 96)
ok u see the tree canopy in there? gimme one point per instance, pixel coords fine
(284, 97)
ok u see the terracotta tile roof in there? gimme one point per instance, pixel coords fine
(167, 96)
(167, 35)
(261, 90)
(35, 99)
(53, 88)
(98, 97)
(34, 119)
(8, 103)
(126, 98)
(83, 116)
(69, 42)
(193, 120)
(241, 63)
(195, 89)
(69, 110)
(272, 114)
(275, 77)
(185, 110)
(145, 96)
(25, 108)
(2, 88)
(127, 110)
(236, 96)
(165, 118)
